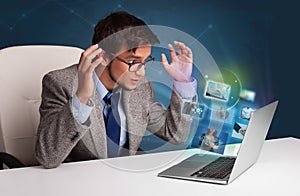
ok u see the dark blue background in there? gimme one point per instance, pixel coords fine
(257, 39)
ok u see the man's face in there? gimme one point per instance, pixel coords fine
(119, 70)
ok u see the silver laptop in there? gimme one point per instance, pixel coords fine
(222, 169)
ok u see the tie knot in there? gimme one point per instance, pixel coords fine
(107, 98)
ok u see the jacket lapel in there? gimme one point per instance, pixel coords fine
(98, 129)
(135, 129)
(96, 142)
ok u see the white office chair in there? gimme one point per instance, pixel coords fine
(22, 69)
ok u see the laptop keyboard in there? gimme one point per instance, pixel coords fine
(218, 169)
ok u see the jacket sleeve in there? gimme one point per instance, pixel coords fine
(58, 131)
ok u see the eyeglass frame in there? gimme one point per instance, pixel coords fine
(140, 64)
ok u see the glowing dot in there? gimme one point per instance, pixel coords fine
(231, 97)
(119, 5)
(210, 26)
(11, 28)
(235, 81)
(206, 76)
(71, 11)
(23, 15)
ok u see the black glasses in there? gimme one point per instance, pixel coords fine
(135, 66)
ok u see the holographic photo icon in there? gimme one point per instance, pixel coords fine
(216, 90)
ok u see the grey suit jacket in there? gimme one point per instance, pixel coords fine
(61, 138)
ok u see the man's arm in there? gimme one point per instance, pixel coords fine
(171, 124)
(58, 131)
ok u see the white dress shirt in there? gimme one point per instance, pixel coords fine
(82, 111)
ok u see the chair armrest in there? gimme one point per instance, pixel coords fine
(10, 161)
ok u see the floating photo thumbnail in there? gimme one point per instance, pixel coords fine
(213, 141)
(247, 95)
(222, 114)
(239, 130)
(216, 90)
(246, 112)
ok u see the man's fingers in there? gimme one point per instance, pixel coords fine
(88, 51)
(95, 55)
(181, 47)
(172, 53)
(185, 51)
(164, 60)
(95, 64)
(189, 52)
(91, 58)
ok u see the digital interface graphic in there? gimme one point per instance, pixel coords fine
(193, 109)
(247, 95)
(216, 90)
(246, 112)
(228, 109)
(219, 107)
(239, 130)
(212, 140)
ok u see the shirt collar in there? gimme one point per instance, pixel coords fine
(101, 90)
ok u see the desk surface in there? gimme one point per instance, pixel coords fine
(276, 172)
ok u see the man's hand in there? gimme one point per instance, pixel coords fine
(181, 65)
(89, 60)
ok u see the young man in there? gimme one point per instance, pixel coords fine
(101, 107)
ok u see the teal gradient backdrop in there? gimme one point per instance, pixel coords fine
(257, 40)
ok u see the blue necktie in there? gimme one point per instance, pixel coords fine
(112, 124)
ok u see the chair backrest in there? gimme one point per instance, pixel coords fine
(22, 69)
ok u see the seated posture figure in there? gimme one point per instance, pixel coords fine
(102, 106)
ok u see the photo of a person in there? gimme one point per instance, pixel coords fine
(112, 105)
(246, 112)
(209, 141)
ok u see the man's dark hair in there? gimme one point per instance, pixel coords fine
(121, 30)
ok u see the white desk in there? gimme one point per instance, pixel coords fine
(277, 172)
